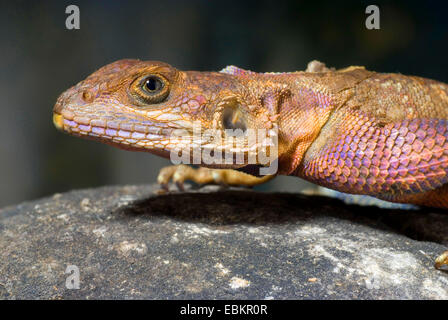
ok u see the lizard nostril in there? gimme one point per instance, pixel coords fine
(87, 96)
(58, 106)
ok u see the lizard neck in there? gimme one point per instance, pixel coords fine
(301, 118)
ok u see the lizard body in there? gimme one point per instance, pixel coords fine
(351, 130)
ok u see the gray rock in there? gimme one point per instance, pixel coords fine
(130, 243)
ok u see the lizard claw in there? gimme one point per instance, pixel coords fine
(442, 261)
(177, 174)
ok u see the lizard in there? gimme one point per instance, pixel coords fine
(352, 130)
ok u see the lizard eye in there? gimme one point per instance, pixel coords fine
(152, 84)
(151, 89)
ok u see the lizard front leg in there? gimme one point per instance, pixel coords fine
(181, 173)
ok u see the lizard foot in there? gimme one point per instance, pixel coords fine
(228, 177)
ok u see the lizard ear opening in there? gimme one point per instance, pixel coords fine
(233, 118)
(151, 88)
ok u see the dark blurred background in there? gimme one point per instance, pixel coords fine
(40, 58)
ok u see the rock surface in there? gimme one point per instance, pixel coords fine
(130, 243)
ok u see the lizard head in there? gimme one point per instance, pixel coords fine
(152, 106)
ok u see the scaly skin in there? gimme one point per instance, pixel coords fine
(352, 130)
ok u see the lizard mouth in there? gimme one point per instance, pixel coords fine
(123, 136)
